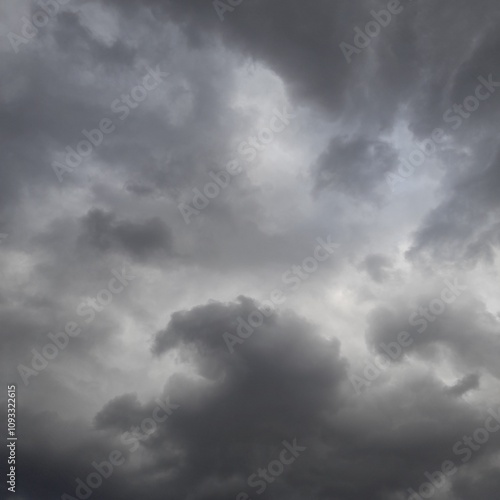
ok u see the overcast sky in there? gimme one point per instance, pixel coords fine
(250, 248)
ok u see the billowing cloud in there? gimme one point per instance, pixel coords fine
(168, 165)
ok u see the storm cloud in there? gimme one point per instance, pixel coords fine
(168, 169)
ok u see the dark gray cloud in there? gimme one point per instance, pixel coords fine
(465, 327)
(463, 228)
(104, 231)
(285, 382)
(355, 166)
(122, 412)
(466, 384)
(159, 342)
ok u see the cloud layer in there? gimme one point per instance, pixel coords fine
(377, 371)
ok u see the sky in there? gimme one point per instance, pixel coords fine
(250, 249)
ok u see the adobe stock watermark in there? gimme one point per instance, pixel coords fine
(121, 106)
(468, 446)
(221, 7)
(104, 470)
(88, 310)
(373, 28)
(293, 279)
(455, 116)
(47, 11)
(249, 150)
(396, 349)
(265, 476)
